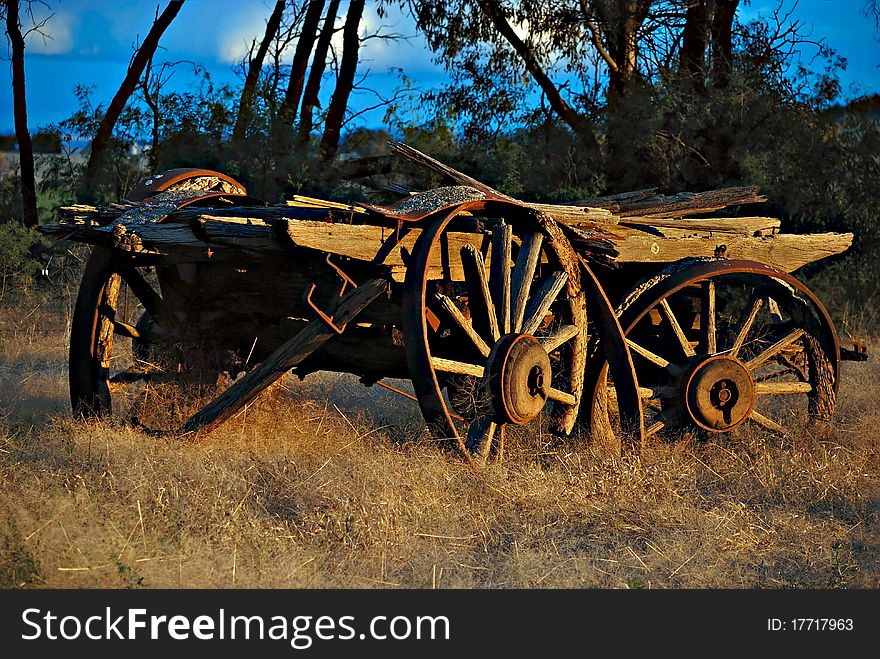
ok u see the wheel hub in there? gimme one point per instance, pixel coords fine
(718, 393)
(519, 376)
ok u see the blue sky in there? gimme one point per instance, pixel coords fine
(91, 43)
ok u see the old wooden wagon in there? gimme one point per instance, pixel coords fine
(638, 314)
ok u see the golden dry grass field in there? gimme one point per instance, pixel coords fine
(329, 484)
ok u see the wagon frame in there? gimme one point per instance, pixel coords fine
(626, 315)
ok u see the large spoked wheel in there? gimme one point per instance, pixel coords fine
(494, 324)
(717, 344)
(129, 357)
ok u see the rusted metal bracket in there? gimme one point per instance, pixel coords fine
(854, 351)
(328, 318)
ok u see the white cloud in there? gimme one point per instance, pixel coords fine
(409, 52)
(53, 38)
(244, 25)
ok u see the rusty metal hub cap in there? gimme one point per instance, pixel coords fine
(519, 377)
(718, 393)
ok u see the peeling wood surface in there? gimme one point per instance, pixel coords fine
(748, 226)
(363, 241)
(787, 252)
(200, 238)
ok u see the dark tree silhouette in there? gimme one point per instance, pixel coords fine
(619, 22)
(351, 43)
(319, 62)
(255, 65)
(308, 34)
(142, 56)
(722, 40)
(25, 148)
(695, 41)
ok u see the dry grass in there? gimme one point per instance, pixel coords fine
(334, 485)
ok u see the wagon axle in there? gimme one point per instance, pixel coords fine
(717, 393)
(519, 376)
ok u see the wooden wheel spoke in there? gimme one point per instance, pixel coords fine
(479, 297)
(124, 329)
(559, 337)
(707, 316)
(775, 349)
(773, 388)
(499, 275)
(654, 428)
(676, 329)
(767, 423)
(657, 426)
(544, 298)
(462, 368)
(561, 396)
(646, 393)
(746, 326)
(500, 433)
(523, 274)
(148, 297)
(479, 437)
(463, 323)
(654, 358)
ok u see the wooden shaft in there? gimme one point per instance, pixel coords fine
(291, 353)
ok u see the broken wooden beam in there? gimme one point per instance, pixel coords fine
(288, 355)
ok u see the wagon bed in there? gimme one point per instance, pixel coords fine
(577, 312)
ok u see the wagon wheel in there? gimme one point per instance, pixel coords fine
(493, 312)
(720, 343)
(127, 356)
(188, 179)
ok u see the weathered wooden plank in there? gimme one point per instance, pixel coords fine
(748, 226)
(774, 388)
(787, 252)
(363, 241)
(291, 353)
(647, 203)
(574, 214)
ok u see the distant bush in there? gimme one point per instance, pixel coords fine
(17, 265)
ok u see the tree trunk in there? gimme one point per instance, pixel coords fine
(304, 45)
(722, 40)
(105, 131)
(319, 63)
(695, 40)
(255, 65)
(19, 102)
(351, 43)
(577, 122)
(620, 21)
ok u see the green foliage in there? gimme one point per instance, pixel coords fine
(17, 265)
